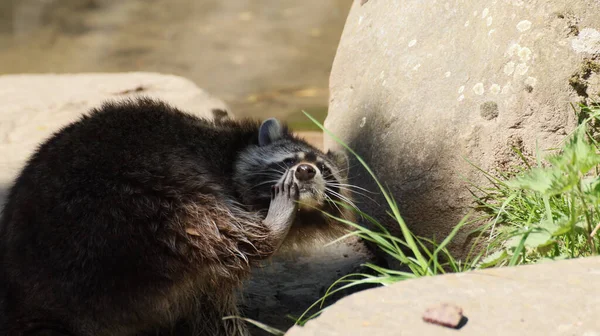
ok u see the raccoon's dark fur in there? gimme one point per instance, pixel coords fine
(139, 219)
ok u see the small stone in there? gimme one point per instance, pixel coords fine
(444, 314)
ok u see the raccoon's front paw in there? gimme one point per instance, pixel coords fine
(283, 207)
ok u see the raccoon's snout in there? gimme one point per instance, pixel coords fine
(311, 184)
(305, 172)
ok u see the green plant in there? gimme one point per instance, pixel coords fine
(550, 211)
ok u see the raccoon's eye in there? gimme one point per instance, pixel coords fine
(289, 162)
(321, 167)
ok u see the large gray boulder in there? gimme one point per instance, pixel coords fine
(35, 106)
(418, 86)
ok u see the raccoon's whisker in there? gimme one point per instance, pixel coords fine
(350, 190)
(277, 170)
(265, 174)
(337, 186)
(341, 197)
(282, 167)
(349, 186)
(330, 200)
(346, 169)
(262, 183)
(273, 172)
(358, 193)
(351, 204)
(341, 186)
(346, 186)
(269, 172)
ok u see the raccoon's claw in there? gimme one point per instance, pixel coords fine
(286, 186)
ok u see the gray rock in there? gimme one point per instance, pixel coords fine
(546, 299)
(418, 86)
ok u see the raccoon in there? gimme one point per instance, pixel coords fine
(141, 219)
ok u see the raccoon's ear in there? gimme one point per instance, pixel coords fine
(270, 131)
(341, 160)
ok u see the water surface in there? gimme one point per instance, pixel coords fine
(264, 58)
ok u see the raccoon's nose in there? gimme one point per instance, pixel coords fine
(305, 172)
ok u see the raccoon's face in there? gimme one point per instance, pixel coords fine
(320, 177)
(316, 175)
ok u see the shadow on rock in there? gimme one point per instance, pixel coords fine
(410, 170)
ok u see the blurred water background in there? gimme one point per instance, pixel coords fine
(263, 57)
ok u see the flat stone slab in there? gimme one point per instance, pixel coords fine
(35, 106)
(555, 298)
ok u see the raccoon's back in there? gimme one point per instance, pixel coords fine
(92, 202)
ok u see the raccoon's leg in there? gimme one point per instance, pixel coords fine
(241, 239)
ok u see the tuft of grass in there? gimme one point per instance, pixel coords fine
(425, 257)
(549, 211)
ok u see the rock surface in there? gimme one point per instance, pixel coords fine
(545, 299)
(418, 86)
